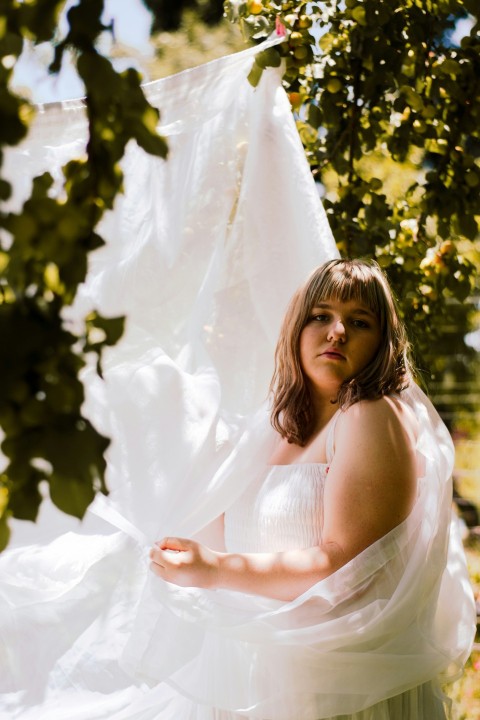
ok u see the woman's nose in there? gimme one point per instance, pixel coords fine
(337, 330)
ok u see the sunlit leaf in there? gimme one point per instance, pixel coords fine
(4, 532)
(70, 495)
(255, 74)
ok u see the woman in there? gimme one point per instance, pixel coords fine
(334, 525)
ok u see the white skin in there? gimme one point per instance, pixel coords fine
(371, 483)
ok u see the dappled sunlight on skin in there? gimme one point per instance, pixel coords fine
(286, 575)
(283, 575)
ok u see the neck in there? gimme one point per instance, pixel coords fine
(324, 408)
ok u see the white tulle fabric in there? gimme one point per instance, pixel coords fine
(203, 254)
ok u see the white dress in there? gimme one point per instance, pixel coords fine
(283, 510)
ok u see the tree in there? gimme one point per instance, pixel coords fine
(382, 89)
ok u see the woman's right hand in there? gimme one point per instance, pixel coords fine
(185, 562)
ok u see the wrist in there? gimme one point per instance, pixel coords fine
(221, 561)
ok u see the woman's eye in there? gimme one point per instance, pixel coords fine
(320, 318)
(360, 323)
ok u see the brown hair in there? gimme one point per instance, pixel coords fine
(388, 372)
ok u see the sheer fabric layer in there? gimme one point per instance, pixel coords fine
(396, 617)
(203, 254)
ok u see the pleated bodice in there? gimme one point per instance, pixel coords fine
(281, 510)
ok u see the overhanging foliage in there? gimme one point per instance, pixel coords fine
(43, 258)
(387, 100)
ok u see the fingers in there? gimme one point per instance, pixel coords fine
(164, 564)
(184, 562)
(174, 543)
(156, 552)
(173, 560)
(157, 569)
(165, 552)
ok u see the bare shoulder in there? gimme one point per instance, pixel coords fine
(383, 421)
(372, 481)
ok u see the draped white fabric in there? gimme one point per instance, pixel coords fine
(203, 254)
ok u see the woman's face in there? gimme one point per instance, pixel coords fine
(338, 342)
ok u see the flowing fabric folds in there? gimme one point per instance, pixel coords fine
(397, 616)
(203, 254)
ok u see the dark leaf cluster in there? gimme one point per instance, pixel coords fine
(43, 259)
(167, 14)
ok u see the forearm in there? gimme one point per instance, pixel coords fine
(283, 575)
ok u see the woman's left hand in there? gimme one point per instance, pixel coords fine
(185, 562)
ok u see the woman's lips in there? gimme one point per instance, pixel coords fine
(333, 354)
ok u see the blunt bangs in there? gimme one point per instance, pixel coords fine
(345, 281)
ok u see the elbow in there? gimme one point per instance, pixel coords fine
(335, 556)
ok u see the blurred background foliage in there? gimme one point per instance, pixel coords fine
(193, 41)
(387, 101)
(386, 97)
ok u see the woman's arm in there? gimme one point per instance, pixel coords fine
(372, 482)
(370, 488)
(281, 575)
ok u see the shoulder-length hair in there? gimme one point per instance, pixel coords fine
(388, 372)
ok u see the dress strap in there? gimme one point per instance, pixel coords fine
(330, 439)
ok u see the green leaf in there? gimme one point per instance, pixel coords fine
(4, 532)
(25, 497)
(268, 58)
(314, 115)
(5, 190)
(152, 144)
(112, 327)
(325, 42)
(450, 67)
(412, 97)
(358, 14)
(70, 495)
(255, 74)
(468, 226)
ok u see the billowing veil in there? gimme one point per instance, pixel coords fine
(203, 254)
